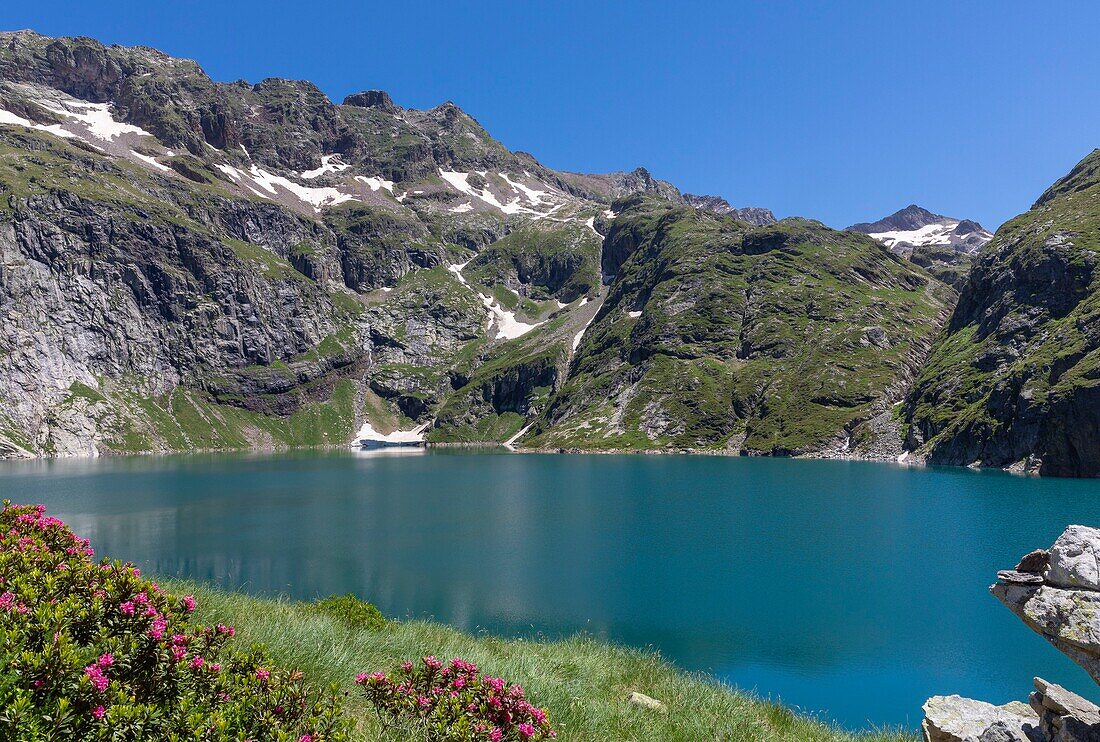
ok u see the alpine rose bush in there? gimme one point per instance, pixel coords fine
(454, 703)
(91, 651)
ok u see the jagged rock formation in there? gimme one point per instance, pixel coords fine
(1013, 382)
(1056, 593)
(754, 215)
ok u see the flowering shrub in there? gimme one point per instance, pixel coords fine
(453, 703)
(91, 651)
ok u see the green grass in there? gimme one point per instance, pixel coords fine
(1023, 329)
(749, 336)
(583, 682)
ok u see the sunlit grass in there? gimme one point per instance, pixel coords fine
(583, 682)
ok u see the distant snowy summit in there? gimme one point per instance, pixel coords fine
(914, 227)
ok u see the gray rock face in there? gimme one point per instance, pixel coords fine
(1020, 351)
(1069, 619)
(1073, 559)
(958, 719)
(754, 215)
(1056, 594)
(1064, 716)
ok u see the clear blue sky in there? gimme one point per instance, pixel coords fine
(842, 111)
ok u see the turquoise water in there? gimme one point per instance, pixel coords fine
(851, 590)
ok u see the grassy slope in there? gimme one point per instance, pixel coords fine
(584, 683)
(1025, 326)
(758, 332)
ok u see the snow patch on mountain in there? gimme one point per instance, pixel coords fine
(377, 184)
(328, 165)
(7, 117)
(258, 180)
(507, 326)
(367, 434)
(151, 161)
(96, 118)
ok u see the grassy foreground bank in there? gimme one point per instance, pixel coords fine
(582, 682)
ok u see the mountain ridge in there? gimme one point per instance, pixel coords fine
(189, 265)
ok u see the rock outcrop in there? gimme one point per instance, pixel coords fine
(1012, 383)
(1057, 594)
(754, 215)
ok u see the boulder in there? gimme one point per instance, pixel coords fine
(1064, 716)
(1073, 559)
(1036, 561)
(1023, 578)
(644, 701)
(958, 719)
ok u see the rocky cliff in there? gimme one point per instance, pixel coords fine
(1015, 379)
(187, 264)
(1055, 592)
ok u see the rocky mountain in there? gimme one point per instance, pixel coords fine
(187, 264)
(753, 215)
(913, 227)
(943, 245)
(190, 264)
(1015, 379)
(783, 339)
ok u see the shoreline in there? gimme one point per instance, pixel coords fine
(908, 459)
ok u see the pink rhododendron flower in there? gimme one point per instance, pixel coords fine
(526, 730)
(98, 712)
(495, 734)
(197, 662)
(106, 660)
(126, 608)
(189, 603)
(99, 680)
(262, 674)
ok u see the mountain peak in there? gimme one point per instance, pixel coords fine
(917, 227)
(371, 99)
(909, 218)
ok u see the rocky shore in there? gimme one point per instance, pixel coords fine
(1056, 592)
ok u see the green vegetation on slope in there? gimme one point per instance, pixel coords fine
(549, 259)
(1015, 378)
(584, 683)
(775, 339)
